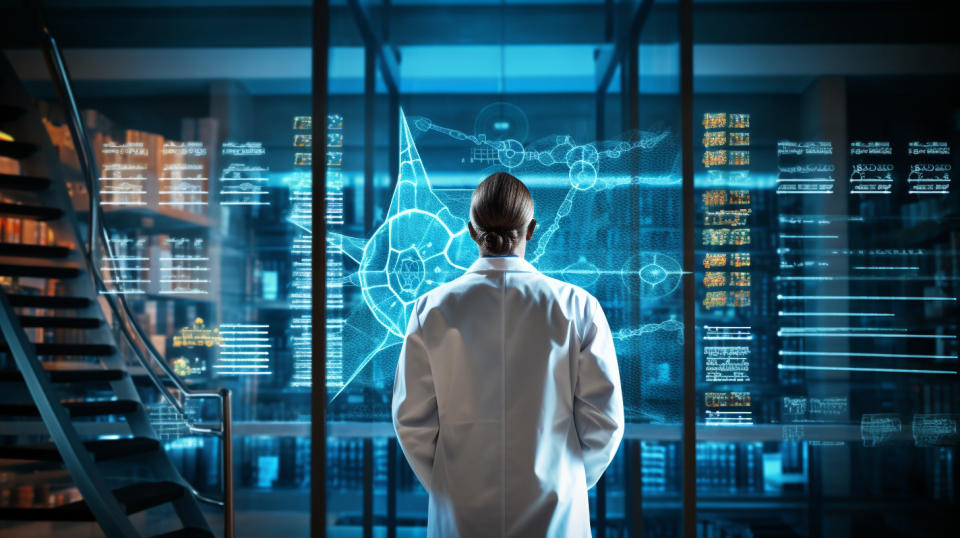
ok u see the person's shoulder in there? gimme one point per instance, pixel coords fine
(444, 290)
(567, 290)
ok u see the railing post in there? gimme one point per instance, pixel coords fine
(226, 440)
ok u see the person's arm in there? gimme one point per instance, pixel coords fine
(415, 414)
(598, 401)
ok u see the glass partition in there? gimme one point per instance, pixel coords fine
(826, 315)
(607, 197)
(199, 115)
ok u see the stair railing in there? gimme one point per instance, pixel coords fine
(144, 350)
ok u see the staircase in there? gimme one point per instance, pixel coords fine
(74, 429)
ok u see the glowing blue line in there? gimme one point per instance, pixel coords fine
(864, 268)
(356, 371)
(884, 355)
(866, 335)
(861, 298)
(298, 225)
(912, 278)
(850, 369)
(554, 226)
(825, 329)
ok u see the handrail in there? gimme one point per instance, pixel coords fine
(117, 302)
(118, 305)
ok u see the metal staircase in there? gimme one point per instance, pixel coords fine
(69, 408)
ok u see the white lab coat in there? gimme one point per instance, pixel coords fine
(507, 402)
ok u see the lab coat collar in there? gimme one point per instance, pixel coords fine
(507, 263)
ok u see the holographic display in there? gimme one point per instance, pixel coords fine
(300, 216)
(871, 168)
(929, 167)
(608, 215)
(243, 177)
(184, 267)
(183, 175)
(244, 349)
(126, 271)
(878, 429)
(123, 177)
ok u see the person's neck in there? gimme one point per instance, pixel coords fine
(518, 252)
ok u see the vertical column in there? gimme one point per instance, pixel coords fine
(689, 432)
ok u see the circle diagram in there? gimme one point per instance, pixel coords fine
(586, 153)
(583, 176)
(510, 153)
(581, 273)
(405, 258)
(502, 121)
(651, 274)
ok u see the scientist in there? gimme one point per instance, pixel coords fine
(507, 398)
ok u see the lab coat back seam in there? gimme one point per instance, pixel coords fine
(503, 403)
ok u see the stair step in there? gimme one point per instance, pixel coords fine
(135, 498)
(47, 301)
(101, 450)
(23, 183)
(188, 532)
(76, 409)
(59, 322)
(69, 350)
(33, 251)
(90, 375)
(17, 150)
(10, 112)
(39, 271)
(26, 211)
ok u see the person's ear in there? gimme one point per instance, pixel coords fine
(530, 228)
(473, 232)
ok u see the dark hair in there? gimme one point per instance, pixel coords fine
(500, 209)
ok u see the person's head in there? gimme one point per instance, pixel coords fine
(501, 215)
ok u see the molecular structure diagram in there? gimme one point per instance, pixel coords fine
(421, 244)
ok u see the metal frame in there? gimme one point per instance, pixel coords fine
(608, 59)
(318, 396)
(376, 54)
(689, 442)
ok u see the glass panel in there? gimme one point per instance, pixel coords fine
(199, 117)
(519, 98)
(827, 238)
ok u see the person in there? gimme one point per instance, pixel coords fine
(507, 399)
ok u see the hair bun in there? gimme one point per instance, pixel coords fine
(493, 242)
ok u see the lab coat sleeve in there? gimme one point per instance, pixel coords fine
(598, 401)
(415, 415)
